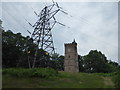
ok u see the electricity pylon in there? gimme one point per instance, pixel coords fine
(42, 35)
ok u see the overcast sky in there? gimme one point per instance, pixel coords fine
(94, 25)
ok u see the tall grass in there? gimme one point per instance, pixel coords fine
(106, 74)
(55, 80)
(35, 72)
(117, 79)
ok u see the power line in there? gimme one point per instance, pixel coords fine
(91, 36)
(18, 22)
(61, 24)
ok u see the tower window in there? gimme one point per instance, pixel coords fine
(75, 48)
(68, 56)
(68, 49)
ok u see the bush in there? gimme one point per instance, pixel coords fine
(117, 79)
(35, 72)
(44, 72)
(106, 74)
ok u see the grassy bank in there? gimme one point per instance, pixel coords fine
(59, 80)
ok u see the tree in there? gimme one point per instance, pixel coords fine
(61, 62)
(10, 50)
(1, 42)
(57, 62)
(96, 62)
(80, 63)
(117, 79)
(19, 51)
(15, 49)
(0, 24)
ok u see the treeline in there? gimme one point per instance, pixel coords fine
(95, 62)
(19, 51)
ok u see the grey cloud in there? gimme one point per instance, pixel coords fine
(93, 25)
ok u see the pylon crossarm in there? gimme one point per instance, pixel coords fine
(51, 6)
(42, 35)
(53, 14)
(53, 24)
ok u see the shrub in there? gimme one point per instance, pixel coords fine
(117, 79)
(44, 72)
(106, 74)
(35, 72)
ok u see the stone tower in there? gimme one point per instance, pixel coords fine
(71, 57)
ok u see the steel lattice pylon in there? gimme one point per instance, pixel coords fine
(42, 34)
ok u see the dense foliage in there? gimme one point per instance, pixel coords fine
(95, 62)
(33, 72)
(117, 79)
(19, 51)
(15, 48)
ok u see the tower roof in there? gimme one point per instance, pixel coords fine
(74, 42)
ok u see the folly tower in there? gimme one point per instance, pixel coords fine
(71, 57)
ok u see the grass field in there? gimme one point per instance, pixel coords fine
(62, 80)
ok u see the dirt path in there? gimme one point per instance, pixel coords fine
(108, 82)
